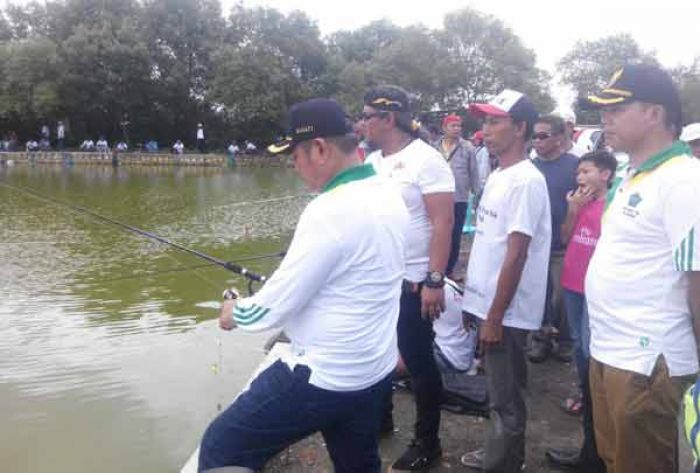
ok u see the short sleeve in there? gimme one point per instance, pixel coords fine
(527, 204)
(435, 176)
(681, 221)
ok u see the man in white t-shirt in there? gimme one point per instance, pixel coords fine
(102, 146)
(427, 185)
(201, 141)
(178, 147)
(643, 281)
(60, 135)
(336, 295)
(87, 145)
(506, 279)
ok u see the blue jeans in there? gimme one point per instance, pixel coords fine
(281, 408)
(579, 330)
(416, 336)
(460, 214)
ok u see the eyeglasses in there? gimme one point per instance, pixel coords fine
(541, 136)
(368, 116)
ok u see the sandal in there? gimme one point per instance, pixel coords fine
(573, 405)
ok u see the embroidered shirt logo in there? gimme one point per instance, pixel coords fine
(630, 210)
(634, 200)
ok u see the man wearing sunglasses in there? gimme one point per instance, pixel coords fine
(428, 189)
(559, 169)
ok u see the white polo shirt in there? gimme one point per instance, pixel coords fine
(636, 285)
(420, 169)
(515, 199)
(337, 291)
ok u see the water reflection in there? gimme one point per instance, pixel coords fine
(106, 354)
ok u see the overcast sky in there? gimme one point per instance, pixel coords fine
(550, 27)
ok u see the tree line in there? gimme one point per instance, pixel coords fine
(153, 69)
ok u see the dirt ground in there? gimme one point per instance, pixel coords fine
(549, 383)
(548, 425)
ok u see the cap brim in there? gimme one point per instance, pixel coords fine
(690, 132)
(690, 137)
(485, 109)
(283, 146)
(602, 100)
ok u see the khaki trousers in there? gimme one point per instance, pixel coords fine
(636, 417)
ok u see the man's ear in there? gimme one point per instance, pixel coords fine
(319, 150)
(657, 113)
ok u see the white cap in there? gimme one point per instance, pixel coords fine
(567, 115)
(691, 132)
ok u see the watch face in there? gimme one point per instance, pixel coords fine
(435, 276)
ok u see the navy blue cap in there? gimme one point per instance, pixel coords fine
(389, 98)
(315, 118)
(640, 83)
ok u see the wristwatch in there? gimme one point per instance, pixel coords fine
(434, 280)
(230, 294)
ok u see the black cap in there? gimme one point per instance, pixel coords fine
(315, 118)
(639, 83)
(390, 98)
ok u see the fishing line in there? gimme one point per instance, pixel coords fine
(262, 201)
(231, 266)
(252, 277)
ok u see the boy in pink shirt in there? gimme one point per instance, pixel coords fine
(580, 232)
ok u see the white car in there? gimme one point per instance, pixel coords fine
(588, 138)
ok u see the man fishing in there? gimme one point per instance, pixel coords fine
(336, 294)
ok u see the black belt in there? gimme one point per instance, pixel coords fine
(410, 287)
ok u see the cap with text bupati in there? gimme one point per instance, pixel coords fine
(315, 118)
(640, 83)
(509, 103)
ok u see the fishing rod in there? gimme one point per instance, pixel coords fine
(179, 269)
(229, 265)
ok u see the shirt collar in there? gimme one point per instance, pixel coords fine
(676, 149)
(354, 173)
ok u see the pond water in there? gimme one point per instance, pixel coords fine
(110, 356)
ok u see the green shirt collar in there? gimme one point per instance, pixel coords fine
(677, 148)
(355, 173)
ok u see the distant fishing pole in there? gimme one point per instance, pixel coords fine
(233, 267)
